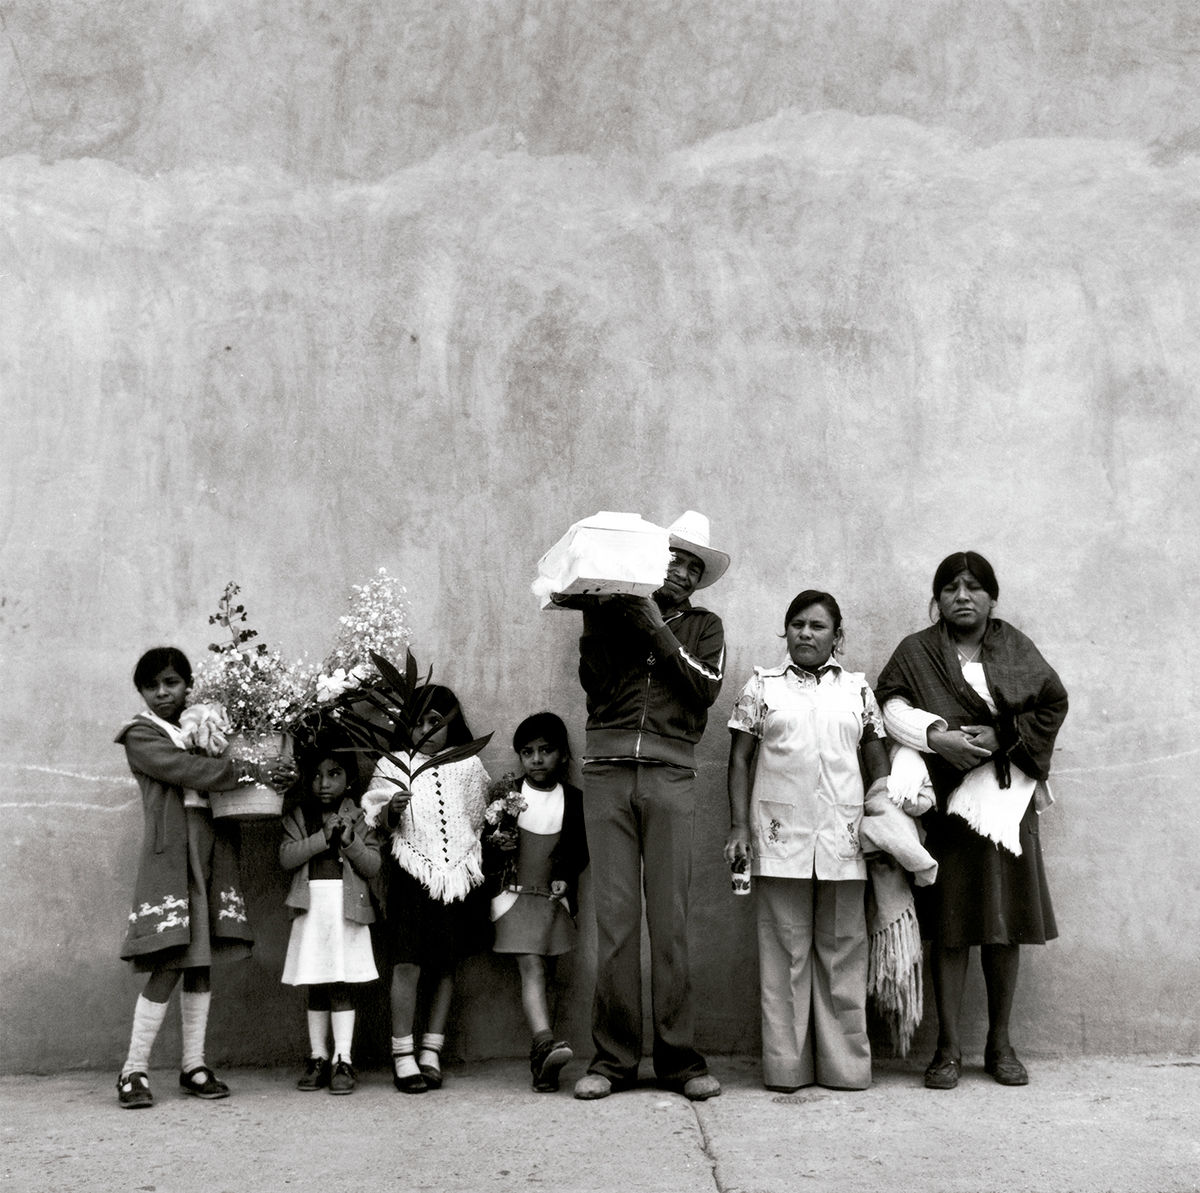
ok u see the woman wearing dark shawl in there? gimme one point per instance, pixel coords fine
(976, 697)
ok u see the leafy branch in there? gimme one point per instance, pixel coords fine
(232, 616)
(396, 703)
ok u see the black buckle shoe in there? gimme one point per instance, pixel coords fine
(201, 1082)
(133, 1091)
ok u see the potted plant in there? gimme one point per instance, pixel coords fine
(250, 694)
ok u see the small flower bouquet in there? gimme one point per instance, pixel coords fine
(505, 804)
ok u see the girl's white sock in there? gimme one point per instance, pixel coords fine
(343, 1034)
(318, 1034)
(403, 1061)
(431, 1049)
(147, 1019)
(193, 1017)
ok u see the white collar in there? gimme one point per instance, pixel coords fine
(787, 665)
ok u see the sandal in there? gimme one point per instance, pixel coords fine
(201, 1082)
(133, 1091)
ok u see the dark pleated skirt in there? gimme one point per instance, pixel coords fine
(983, 894)
(426, 932)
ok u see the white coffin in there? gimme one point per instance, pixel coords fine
(604, 554)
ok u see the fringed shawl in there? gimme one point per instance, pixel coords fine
(1031, 701)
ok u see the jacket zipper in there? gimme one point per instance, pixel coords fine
(637, 745)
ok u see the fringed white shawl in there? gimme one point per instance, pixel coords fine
(894, 956)
(437, 838)
(891, 839)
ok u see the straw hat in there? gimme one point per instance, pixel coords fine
(690, 532)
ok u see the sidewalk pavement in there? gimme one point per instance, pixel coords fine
(1128, 1124)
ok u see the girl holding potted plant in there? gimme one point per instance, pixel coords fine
(188, 906)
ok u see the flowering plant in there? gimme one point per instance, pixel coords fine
(257, 689)
(505, 804)
(375, 623)
(505, 801)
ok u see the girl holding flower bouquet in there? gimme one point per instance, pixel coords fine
(536, 849)
(333, 856)
(188, 906)
(434, 916)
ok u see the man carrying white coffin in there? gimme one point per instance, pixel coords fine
(651, 668)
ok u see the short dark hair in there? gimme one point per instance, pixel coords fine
(966, 561)
(813, 596)
(542, 724)
(330, 744)
(157, 659)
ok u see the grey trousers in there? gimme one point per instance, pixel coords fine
(812, 956)
(639, 825)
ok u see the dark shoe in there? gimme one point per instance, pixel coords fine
(432, 1075)
(414, 1083)
(546, 1061)
(943, 1072)
(133, 1091)
(1003, 1065)
(316, 1074)
(342, 1080)
(201, 1082)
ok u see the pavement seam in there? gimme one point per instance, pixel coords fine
(707, 1150)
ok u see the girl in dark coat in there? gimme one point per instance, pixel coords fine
(188, 905)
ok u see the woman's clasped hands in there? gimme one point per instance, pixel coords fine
(966, 747)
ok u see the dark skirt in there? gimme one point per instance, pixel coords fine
(429, 933)
(983, 894)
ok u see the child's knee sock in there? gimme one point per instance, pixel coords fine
(431, 1049)
(147, 1019)
(403, 1061)
(193, 1016)
(318, 1033)
(343, 1034)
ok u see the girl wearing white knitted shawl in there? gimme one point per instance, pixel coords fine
(436, 839)
(436, 906)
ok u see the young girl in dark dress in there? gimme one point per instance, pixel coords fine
(435, 915)
(536, 850)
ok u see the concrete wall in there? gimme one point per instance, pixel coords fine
(292, 292)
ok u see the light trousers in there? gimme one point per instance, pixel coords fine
(812, 955)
